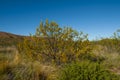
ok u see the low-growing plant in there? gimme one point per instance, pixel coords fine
(86, 71)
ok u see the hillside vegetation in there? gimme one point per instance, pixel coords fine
(58, 53)
(8, 39)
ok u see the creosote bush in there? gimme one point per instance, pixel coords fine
(55, 44)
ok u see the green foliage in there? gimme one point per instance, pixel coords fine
(52, 43)
(86, 71)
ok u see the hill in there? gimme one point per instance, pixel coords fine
(9, 39)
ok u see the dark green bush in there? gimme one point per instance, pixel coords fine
(86, 71)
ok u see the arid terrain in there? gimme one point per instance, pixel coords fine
(57, 58)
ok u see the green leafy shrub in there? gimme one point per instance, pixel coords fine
(51, 43)
(86, 71)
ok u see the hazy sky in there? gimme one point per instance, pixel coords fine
(98, 18)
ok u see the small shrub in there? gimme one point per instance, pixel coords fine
(86, 71)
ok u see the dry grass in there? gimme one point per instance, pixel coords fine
(111, 60)
(14, 67)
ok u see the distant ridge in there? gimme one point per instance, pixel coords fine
(9, 39)
(9, 35)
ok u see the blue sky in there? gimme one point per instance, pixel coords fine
(98, 18)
